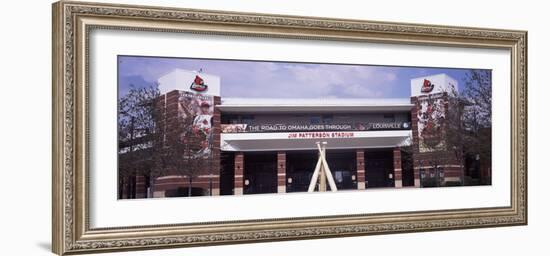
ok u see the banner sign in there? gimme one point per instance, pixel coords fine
(431, 117)
(375, 126)
(320, 135)
(196, 111)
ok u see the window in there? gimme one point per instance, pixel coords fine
(247, 119)
(327, 119)
(389, 117)
(230, 119)
(315, 120)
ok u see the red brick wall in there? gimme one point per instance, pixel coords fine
(360, 161)
(281, 172)
(216, 151)
(239, 173)
(397, 178)
(170, 183)
(447, 160)
(168, 121)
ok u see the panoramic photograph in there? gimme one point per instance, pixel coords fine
(192, 127)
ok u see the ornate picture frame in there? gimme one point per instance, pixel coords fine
(72, 24)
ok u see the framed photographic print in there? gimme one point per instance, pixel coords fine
(180, 127)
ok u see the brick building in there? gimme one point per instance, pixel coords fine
(269, 145)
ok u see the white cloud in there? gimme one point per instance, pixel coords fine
(354, 90)
(351, 81)
(279, 79)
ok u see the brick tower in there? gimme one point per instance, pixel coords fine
(435, 163)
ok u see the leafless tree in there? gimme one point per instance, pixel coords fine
(466, 128)
(154, 143)
(477, 115)
(137, 128)
(454, 134)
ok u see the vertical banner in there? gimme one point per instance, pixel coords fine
(431, 119)
(196, 112)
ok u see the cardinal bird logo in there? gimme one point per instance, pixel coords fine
(427, 86)
(198, 84)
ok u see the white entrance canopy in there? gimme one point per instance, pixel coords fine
(285, 141)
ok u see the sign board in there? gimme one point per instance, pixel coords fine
(433, 84)
(374, 126)
(190, 81)
(320, 135)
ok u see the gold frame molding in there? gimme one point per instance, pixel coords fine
(72, 22)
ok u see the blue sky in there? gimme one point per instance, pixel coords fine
(267, 79)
